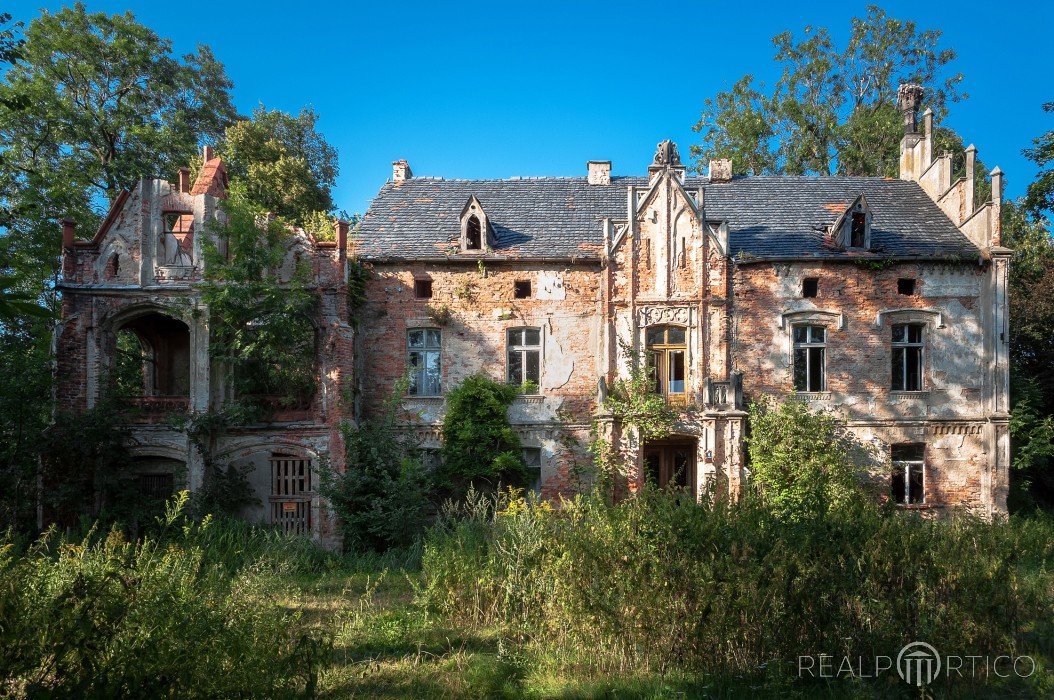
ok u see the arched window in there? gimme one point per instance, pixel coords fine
(667, 352)
(473, 234)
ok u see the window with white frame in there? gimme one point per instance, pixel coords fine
(532, 457)
(524, 349)
(907, 356)
(424, 354)
(908, 484)
(810, 349)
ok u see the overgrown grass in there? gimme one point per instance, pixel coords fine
(659, 585)
(656, 597)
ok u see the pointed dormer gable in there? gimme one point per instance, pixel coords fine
(852, 229)
(475, 227)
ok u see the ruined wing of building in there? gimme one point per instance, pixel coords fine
(882, 300)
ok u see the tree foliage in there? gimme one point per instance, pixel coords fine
(1039, 199)
(262, 330)
(480, 448)
(801, 463)
(284, 165)
(833, 109)
(101, 101)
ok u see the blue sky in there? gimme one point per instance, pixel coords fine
(504, 89)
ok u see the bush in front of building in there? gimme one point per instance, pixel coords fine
(193, 612)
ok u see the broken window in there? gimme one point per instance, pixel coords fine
(177, 242)
(473, 234)
(522, 289)
(424, 352)
(908, 482)
(810, 287)
(907, 357)
(151, 358)
(906, 286)
(810, 347)
(532, 457)
(667, 350)
(524, 348)
(858, 230)
(423, 289)
(291, 493)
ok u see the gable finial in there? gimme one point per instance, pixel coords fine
(666, 154)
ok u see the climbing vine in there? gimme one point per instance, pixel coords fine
(632, 402)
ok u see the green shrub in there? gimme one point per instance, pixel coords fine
(801, 462)
(658, 583)
(480, 448)
(383, 496)
(174, 616)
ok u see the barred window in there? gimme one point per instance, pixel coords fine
(424, 354)
(810, 348)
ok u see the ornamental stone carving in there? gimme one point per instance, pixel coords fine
(656, 315)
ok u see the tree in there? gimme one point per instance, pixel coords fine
(285, 166)
(1040, 195)
(833, 110)
(101, 102)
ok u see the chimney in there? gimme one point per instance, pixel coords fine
(721, 170)
(909, 97)
(997, 206)
(69, 229)
(599, 172)
(342, 234)
(207, 153)
(401, 171)
(184, 179)
(971, 168)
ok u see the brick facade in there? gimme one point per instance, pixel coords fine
(710, 278)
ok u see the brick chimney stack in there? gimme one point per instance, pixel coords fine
(184, 179)
(401, 171)
(909, 97)
(69, 255)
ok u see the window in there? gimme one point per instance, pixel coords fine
(810, 286)
(423, 289)
(906, 286)
(810, 346)
(907, 357)
(522, 289)
(908, 483)
(532, 457)
(291, 492)
(473, 234)
(154, 486)
(666, 360)
(858, 230)
(525, 355)
(424, 352)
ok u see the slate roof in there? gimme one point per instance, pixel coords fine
(768, 217)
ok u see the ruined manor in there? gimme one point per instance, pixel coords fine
(882, 300)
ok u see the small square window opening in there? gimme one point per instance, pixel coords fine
(522, 289)
(423, 289)
(906, 286)
(810, 287)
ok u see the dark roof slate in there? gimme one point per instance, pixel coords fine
(768, 216)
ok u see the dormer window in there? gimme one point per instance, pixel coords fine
(853, 228)
(473, 234)
(858, 230)
(475, 229)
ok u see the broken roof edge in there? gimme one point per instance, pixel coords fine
(476, 259)
(748, 258)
